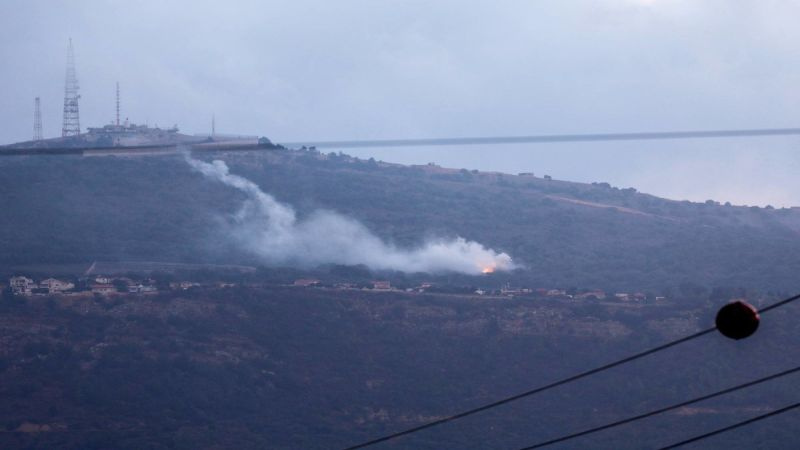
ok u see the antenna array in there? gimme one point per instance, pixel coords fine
(72, 122)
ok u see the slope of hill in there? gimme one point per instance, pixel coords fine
(289, 368)
(72, 209)
(284, 367)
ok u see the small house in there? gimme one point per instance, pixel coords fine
(54, 286)
(381, 285)
(22, 285)
(103, 289)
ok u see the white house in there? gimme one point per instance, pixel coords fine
(141, 288)
(381, 285)
(53, 285)
(21, 285)
(103, 289)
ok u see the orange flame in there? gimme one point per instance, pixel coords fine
(488, 269)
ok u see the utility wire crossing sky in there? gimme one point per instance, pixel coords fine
(554, 138)
(540, 139)
(354, 68)
(558, 383)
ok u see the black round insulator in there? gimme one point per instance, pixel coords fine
(737, 320)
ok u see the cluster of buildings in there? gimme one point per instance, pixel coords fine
(21, 285)
(105, 285)
(592, 294)
(26, 286)
(375, 285)
(595, 294)
(506, 291)
(99, 284)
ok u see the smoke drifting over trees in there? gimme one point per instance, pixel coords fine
(272, 231)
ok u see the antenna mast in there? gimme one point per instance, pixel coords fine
(72, 122)
(37, 122)
(117, 103)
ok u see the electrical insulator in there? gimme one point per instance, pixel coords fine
(737, 320)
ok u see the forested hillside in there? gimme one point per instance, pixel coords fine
(265, 365)
(69, 209)
(289, 368)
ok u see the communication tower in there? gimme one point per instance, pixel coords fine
(72, 122)
(37, 122)
(117, 103)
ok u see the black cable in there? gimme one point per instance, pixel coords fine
(662, 410)
(554, 384)
(13, 150)
(534, 391)
(778, 304)
(734, 426)
(550, 138)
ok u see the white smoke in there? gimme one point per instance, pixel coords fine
(272, 231)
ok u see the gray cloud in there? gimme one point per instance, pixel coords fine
(361, 69)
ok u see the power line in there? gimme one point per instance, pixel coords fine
(663, 410)
(554, 384)
(734, 426)
(552, 138)
(533, 391)
(10, 150)
(778, 304)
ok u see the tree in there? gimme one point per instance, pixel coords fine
(120, 285)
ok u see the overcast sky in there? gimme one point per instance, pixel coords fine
(323, 70)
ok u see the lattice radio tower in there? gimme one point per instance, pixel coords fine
(72, 121)
(117, 103)
(37, 122)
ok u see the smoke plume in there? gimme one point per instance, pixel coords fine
(273, 232)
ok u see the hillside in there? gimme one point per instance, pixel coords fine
(289, 368)
(72, 209)
(262, 364)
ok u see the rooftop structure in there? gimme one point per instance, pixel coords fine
(129, 129)
(117, 133)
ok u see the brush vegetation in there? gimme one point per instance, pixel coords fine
(71, 209)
